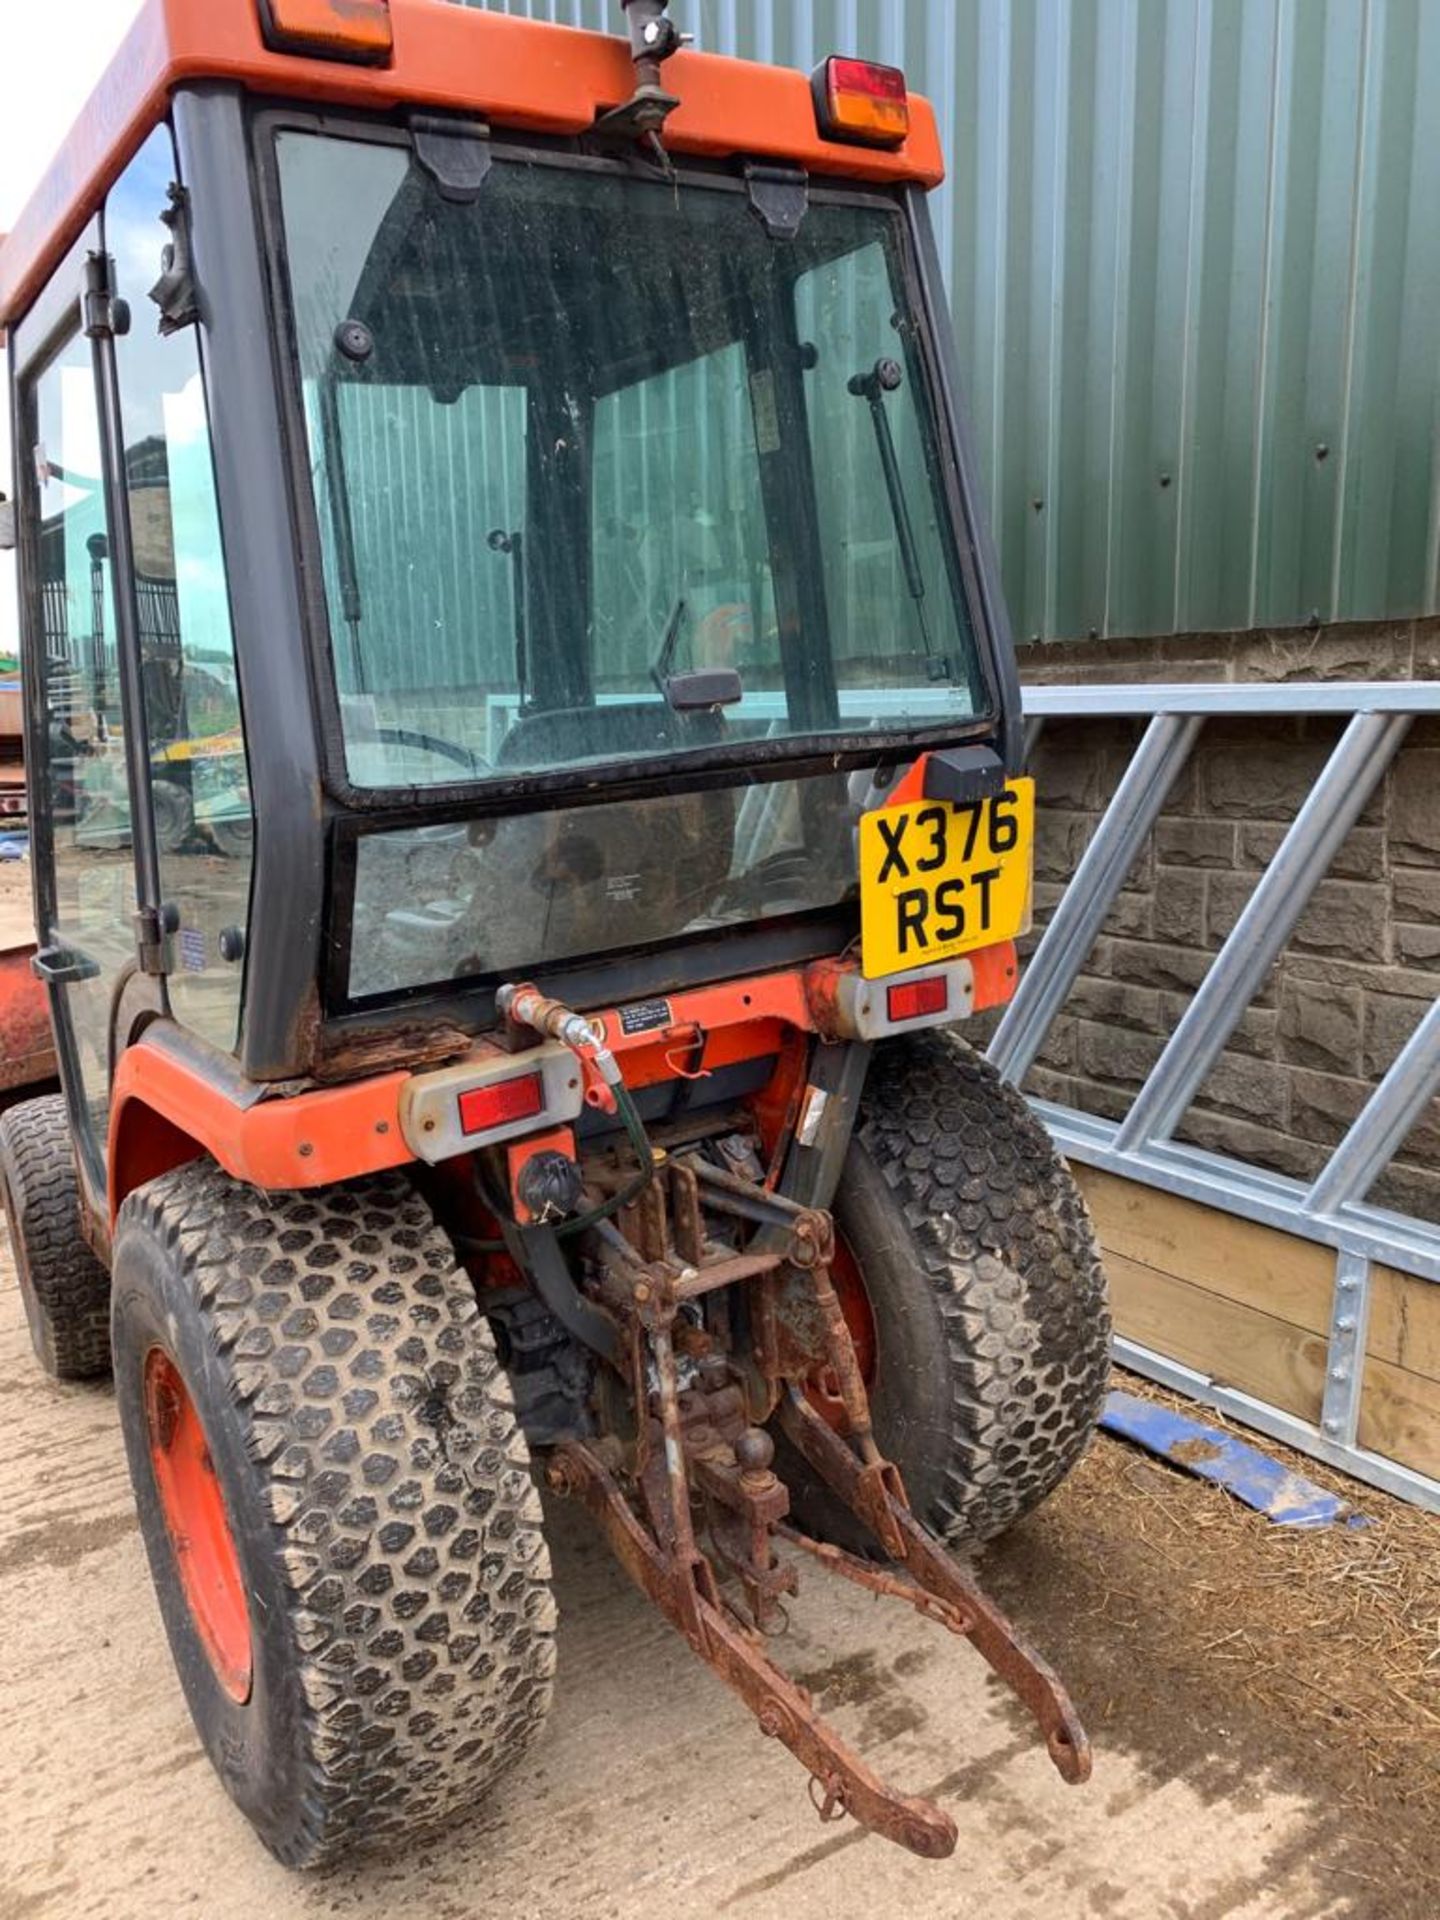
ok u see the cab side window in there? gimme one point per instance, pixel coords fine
(81, 762)
(203, 819)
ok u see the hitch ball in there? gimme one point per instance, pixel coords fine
(754, 1455)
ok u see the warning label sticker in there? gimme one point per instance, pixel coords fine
(642, 1016)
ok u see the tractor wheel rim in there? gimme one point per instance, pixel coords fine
(822, 1389)
(200, 1536)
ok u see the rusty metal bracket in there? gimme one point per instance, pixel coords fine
(1030, 1677)
(783, 1709)
(875, 1579)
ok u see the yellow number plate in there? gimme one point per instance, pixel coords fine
(937, 880)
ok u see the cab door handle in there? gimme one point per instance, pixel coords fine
(64, 966)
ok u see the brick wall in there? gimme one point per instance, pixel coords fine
(1364, 962)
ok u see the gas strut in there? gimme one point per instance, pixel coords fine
(885, 377)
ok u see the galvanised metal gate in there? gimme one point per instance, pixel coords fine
(1333, 1210)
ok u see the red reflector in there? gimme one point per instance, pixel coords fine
(497, 1105)
(357, 30)
(861, 101)
(915, 997)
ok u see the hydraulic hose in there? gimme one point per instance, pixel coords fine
(527, 1008)
(640, 1140)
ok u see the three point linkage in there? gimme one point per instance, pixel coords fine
(713, 1368)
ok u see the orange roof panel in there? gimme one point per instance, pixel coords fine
(513, 72)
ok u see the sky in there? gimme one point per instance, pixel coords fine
(51, 54)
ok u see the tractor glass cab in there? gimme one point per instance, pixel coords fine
(459, 550)
(611, 473)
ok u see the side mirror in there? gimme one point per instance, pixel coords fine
(8, 534)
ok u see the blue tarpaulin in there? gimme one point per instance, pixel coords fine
(1272, 1489)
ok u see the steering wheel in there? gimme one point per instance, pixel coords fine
(432, 743)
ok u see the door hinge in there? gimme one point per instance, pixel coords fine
(779, 198)
(154, 929)
(106, 316)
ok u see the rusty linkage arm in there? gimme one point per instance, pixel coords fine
(784, 1710)
(700, 1462)
(1022, 1669)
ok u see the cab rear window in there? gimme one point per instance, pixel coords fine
(603, 471)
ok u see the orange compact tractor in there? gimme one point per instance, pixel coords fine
(526, 772)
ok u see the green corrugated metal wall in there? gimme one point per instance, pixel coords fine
(1194, 257)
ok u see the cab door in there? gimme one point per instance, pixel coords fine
(143, 827)
(83, 744)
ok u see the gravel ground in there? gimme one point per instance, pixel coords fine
(652, 1792)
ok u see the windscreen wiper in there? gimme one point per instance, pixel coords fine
(669, 640)
(500, 540)
(342, 525)
(884, 377)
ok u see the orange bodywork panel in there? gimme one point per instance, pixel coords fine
(710, 1028)
(515, 73)
(164, 1110)
(26, 1052)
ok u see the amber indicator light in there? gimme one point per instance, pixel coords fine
(355, 30)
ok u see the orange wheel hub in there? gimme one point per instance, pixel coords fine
(200, 1536)
(822, 1389)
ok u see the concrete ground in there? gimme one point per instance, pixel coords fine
(652, 1792)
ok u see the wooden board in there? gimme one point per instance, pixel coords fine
(1250, 1307)
(1260, 1267)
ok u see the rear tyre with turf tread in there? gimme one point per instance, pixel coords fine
(980, 1264)
(378, 1493)
(65, 1290)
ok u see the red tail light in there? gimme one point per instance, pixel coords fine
(912, 999)
(501, 1103)
(860, 101)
